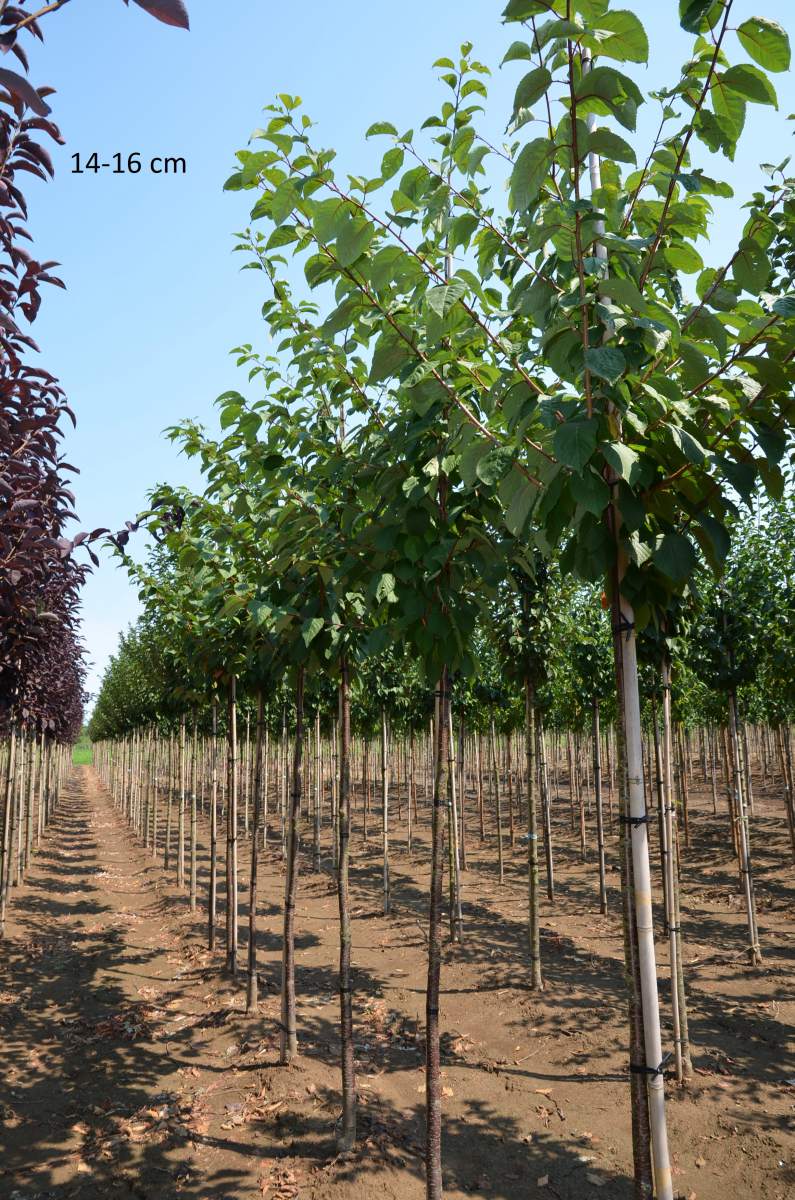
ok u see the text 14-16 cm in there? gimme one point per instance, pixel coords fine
(129, 164)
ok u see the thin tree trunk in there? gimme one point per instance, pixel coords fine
(746, 874)
(456, 916)
(678, 1007)
(534, 903)
(433, 1082)
(194, 865)
(546, 809)
(231, 835)
(289, 1032)
(498, 801)
(251, 993)
(643, 934)
(346, 1137)
(181, 807)
(597, 784)
(212, 898)
(387, 883)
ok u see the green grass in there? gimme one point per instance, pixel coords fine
(82, 754)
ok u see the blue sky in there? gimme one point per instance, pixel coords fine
(156, 299)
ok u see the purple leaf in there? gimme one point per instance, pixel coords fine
(21, 87)
(170, 12)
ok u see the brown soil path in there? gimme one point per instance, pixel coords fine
(130, 1069)
(94, 1096)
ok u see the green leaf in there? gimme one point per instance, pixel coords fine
(283, 201)
(627, 41)
(784, 306)
(590, 491)
(441, 299)
(520, 506)
(610, 145)
(751, 268)
(693, 12)
(675, 557)
(381, 127)
(742, 477)
(575, 441)
(390, 353)
(617, 91)
(229, 415)
(392, 162)
(517, 50)
(531, 88)
(718, 535)
(621, 458)
(692, 449)
(625, 292)
(377, 641)
(354, 238)
(461, 230)
(492, 466)
(551, 30)
(385, 589)
(413, 548)
(766, 42)
(750, 82)
(606, 362)
(730, 110)
(468, 463)
(772, 442)
(520, 10)
(684, 257)
(529, 172)
(260, 611)
(311, 628)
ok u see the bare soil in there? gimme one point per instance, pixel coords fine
(129, 1067)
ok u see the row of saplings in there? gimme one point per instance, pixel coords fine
(307, 778)
(33, 768)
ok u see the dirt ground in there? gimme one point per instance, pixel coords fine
(129, 1067)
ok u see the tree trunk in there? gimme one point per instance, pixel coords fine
(456, 917)
(498, 800)
(546, 807)
(346, 1137)
(597, 786)
(385, 810)
(624, 646)
(289, 1033)
(683, 1063)
(194, 867)
(251, 993)
(212, 898)
(534, 923)
(181, 807)
(231, 835)
(746, 874)
(433, 1082)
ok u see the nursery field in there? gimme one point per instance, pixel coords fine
(429, 827)
(133, 1070)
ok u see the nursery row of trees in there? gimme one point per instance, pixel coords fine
(41, 657)
(511, 369)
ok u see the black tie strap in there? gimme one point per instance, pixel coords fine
(637, 1069)
(623, 626)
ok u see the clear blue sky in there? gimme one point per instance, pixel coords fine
(155, 296)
